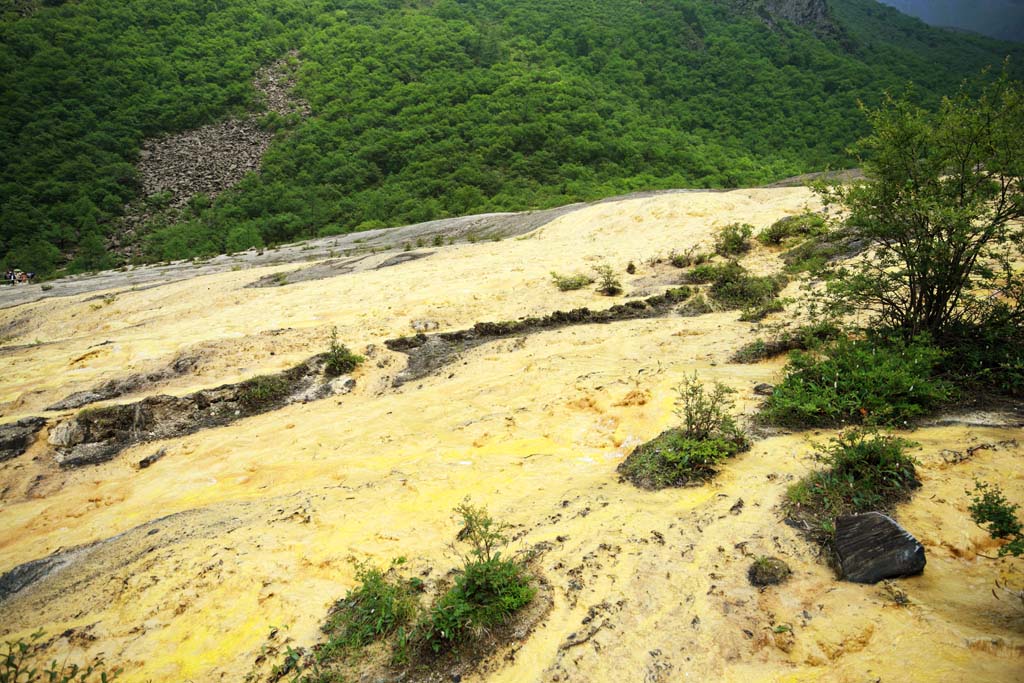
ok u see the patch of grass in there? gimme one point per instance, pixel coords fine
(871, 381)
(806, 225)
(802, 338)
(698, 305)
(262, 391)
(865, 471)
(567, 283)
(339, 360)
(607, 282)
(23, 662)
(986, 358)
(488, 591)
(812, 255)
(691, 452)
(378, 606)
(733, 239)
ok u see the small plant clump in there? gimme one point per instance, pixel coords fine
(871, 381)
(691, 452)
(733, 239)
(804, 225)
(866, 472)
(487, 592)
(568, 283)
(21, 664)
(733, 287)
(607, 282)
(759, 312)
(995, 514)
(339, 360)
(262, 391)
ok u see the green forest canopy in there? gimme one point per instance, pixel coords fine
(422, 110)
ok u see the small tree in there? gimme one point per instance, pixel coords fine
(937, 210)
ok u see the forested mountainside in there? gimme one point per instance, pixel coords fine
(420, 110)
(997, 18)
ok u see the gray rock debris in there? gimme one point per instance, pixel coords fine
(16, 437)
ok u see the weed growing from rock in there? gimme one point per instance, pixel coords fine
(339, 360)
(262, 391)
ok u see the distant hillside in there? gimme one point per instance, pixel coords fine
(424, 110)
(997, 18)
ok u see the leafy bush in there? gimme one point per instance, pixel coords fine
(875, 381)
(688, 258)
(338, 359)
(987, 357)
(487, 592)
(707, 435)
(733, 239)
(607, 282)
(991, 511)
(808, 224)
(378, 606)
(733, 287)
(567, 283)
(760, 311)
(710, 272)
(19, 665)
(866, 471)
(262, 391)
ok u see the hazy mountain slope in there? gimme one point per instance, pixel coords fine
(997, 18)
(420, 111)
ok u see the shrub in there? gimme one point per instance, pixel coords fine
(733, 287)
(866, 471)
(808, 224)
(991, 511)
(875, 381)
(733, 239)
(691, 452)
(19, 664)
(607, 283)
(338, 359)
(567, 283)
(760, 311)
(688, 258)
(378, 606)
(262, 391)
(988, 357)
(487, 592)
(709, 272)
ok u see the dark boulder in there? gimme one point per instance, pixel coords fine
(16, 437)
(872, 547)
(764, 389)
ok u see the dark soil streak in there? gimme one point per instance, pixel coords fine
(428, 353)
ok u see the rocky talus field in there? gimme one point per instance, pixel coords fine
(198, 535)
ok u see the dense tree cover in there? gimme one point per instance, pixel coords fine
(425, 110)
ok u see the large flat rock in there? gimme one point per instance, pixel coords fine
(872, 547)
